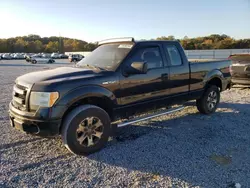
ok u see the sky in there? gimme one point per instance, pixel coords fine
(94, 20)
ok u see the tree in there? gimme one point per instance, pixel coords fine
(35, 43)
(52, 47)
(170, 37)
(20, 45)
(38, 46)
(90, 46)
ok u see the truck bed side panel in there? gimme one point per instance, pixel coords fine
(202, 72)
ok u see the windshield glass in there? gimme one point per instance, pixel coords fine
(107, 56)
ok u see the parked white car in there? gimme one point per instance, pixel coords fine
(55, 55)
(46, 55)
(18, 56)
(35, 60)
(7, 56)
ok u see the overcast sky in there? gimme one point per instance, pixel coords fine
(94, 20)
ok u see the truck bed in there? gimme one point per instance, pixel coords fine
(199, 71)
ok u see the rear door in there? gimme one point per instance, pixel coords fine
(178, 67)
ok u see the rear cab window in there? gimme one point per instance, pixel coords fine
(174, 55)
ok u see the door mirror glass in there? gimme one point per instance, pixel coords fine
(137, 68)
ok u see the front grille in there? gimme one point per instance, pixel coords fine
(19, 97)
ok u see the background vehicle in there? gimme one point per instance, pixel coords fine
(46, 55)
(119, 80)
(35, 60)
(75, 57)
(18, 56)
(6, 56)
(240, 69)
(55, 55)
(63, 56)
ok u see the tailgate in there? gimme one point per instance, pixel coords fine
(240, 66)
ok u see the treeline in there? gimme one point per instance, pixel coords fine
(35, 43)
(210, 42)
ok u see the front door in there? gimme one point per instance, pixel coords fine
(141, 90)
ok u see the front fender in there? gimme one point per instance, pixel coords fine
(86, 91)
(77, 94)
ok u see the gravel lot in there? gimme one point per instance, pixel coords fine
(185, 149)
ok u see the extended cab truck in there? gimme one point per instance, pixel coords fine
(119, 80)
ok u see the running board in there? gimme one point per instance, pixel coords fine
(129, 122)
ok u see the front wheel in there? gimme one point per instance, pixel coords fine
(86, 129)
(209, 101)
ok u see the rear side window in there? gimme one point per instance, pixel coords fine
(174, 55)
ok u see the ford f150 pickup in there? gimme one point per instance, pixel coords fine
(118, 81)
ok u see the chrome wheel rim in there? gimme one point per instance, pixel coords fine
(212, 100)
(89, 131)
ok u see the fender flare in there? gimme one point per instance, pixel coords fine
(211, 75)
(81, 93)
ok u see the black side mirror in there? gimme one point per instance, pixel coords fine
(137, 68)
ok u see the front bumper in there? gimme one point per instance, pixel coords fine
(25, 122)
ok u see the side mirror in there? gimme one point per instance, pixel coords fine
(137, 68)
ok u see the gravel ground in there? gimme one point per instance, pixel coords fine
(185, 149)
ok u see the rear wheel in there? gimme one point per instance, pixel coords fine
(34, 62)
(86, 129)
(209, 101)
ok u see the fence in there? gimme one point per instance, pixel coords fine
(213, 54)
(198, 54)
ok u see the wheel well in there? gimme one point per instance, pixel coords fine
(215, 81)
(101, 102)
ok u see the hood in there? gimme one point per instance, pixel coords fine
(53, 74)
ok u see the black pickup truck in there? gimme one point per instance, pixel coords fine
(118, 81)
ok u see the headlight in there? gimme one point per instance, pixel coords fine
(43, 99)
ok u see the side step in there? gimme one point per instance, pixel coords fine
(169, 111)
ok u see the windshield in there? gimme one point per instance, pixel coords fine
(107, 56)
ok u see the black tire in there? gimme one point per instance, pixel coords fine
(209, 101)
(74, 121)
(51, 61)
(34, 62)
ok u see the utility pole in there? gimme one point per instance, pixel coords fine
(59, 45)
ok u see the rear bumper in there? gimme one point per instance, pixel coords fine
(33, 125)
(241, 81)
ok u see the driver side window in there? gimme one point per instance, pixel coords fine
(151, 56)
